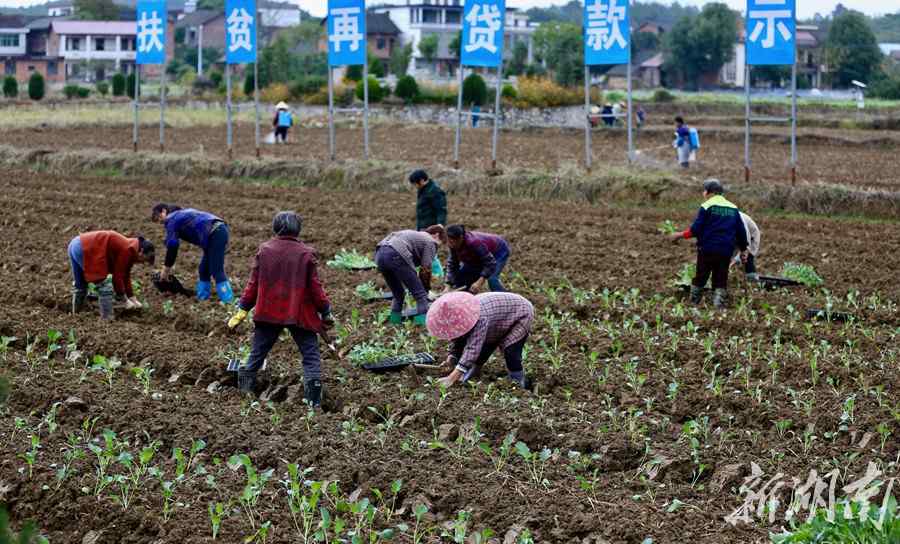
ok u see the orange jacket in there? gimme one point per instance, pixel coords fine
(108, 252)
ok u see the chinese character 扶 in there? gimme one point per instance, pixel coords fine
(346, 28)
(483, 37)
(239, 25)
(149, 31)
(768, 20)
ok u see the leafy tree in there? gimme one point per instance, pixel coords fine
(776, 75)
(215, 5)
(249, 81)
(702, 44)
(455, 45)
(36, 87)
(96, 10)
(428, 47)
(376, 91)
(852, 50)
(400, 59)
(118, 85)
(561, 47)
(407, 88)
(10, 87)
(376, 66)
(211, 56)
(354, 72)
(474, 90)
(519, 59)
(130, 85)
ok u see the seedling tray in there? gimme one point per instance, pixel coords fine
(774, 282)
(399, 362)
(825, 315)
(235, 364)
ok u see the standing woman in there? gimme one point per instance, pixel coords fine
(475, 257)
(397, 257)
(204, 230)
(94, 256)
(282, 122)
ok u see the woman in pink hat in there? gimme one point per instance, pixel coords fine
(477, 325)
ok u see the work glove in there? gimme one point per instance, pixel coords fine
(327, 320)
(237, 319)
(133, 304)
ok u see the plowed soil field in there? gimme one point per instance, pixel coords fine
(645, 418)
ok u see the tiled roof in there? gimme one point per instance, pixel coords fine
(95, 27)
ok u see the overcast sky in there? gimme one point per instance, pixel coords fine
(807, 7)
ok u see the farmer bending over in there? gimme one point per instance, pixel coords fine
(718, 229)
(397, 257)
(285, 291)
(477, 326)
(95, 255)
(209, 233)
(475, 257)
(753, 237)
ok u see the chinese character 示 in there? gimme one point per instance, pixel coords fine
(239, 25)
(148, 32)
(346, 28)
(483, 37)
(604, 25)
(769, 20)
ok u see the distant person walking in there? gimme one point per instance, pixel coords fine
(682, 142)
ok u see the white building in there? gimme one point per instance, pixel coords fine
(92, 50)
(418, 19)
(278, 14)
(13, 37)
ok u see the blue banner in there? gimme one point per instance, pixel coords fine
(771, 32)
(346, 32)
(240, 31)
(151, 32)
(607, 32)
(482, 35)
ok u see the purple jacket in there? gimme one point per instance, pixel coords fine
(478, 250)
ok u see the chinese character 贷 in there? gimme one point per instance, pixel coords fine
(768, 20)
(148, 32)
(483, 37)
(346, 28)
(604, 25)
(239, 25)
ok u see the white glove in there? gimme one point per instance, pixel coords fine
(132, 304)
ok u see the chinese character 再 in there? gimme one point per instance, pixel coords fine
(346, 28)
(604, 25)
(483, 37)
(148, 32)
(768, 20)
(239, 25)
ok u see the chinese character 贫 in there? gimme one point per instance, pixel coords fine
(346, 28)
(483, 37)
(239, 25)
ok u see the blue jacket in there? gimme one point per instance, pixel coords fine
(718, 228)
(189, 225)
(684, 135)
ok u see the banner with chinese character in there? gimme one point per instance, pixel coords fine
(151, 32)
(771, 32)
(482, 35)
(607, 32)
(346, 32)
(240, 31)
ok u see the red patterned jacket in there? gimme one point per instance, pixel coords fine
(284, 286)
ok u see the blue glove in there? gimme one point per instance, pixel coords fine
(436, 269)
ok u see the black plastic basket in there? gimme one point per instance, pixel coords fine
(399, 362)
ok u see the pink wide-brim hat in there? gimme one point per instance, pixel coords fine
(453, 315)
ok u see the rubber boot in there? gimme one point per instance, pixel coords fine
(78, 298)
(753, 277)
(396, 318)
(719, 298)
(106, 296)
(696, 294)
(204, 290)
(312, 392)
(518, 378)
(224, 292)
(419, 320)
(247, 381)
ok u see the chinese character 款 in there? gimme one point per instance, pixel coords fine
(483, 37)
(148, 32)
(604, 25)
(768, 20)
(346, 28)
(239, 25)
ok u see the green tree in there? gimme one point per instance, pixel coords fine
(354, 72)
(561, 47)
(400, 59)
(376, 66)
(428, 47)
(702, 44)
(131, 85)
(407, 89)
(455, 45)
(376, 91)
(214, 5)
(249, 82)
(474, 90)
(776, 75)
(96, 10)
(10, 87)
(118, 85)
(644, 41)
(852, 50)
(519, 59)
(36, 87)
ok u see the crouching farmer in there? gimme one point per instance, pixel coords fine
(718, 229)
(94, 256)
(397, 257)
(285, 290)
(478, 325)
(753, 239)
(476, 258)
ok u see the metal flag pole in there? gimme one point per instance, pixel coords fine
(137, 97)
(162, 110)
(496, 116)
(630, 116)
(458, 118)
(747, 124)
(331, 112)
(794, 118)
(229, 130)
(366, 110)
(200, 50)
(587, 117)
(256, 72)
